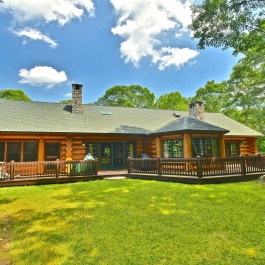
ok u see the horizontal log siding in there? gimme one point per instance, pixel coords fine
(151, 148)
(248, 145)
(78, 151)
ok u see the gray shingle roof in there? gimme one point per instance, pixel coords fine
(43, 117)
(188, 124)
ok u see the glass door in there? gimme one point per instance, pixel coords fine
(105, 156)
(112, 156)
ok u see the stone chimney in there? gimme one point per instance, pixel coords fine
(77, 98)
(196, 110)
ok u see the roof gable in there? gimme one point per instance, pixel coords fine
(188, 124)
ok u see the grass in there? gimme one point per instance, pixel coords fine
(133, 222)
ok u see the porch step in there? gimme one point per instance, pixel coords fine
(115, 178)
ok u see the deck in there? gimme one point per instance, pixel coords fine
(194, 170)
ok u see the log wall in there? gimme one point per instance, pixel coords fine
(72, 146)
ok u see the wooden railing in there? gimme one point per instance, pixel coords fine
(199, 167)
(47, 169)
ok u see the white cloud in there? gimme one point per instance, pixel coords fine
(34, 34)
(60, 11)
(142, 24)
(69, 95)
(42, 75)
(173, 56)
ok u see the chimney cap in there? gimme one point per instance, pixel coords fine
(197, 102)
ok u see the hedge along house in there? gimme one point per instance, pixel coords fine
(38, 131)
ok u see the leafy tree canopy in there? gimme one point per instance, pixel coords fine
(213, 95)
(239, 24)
(14, 94)
(127, 96)
(173, 101)
(66, 101)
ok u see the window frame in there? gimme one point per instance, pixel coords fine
(228, 145)
(6, 153)
(171, 152)
(203, 152)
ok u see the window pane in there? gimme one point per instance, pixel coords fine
(117, 154)
(2, 151)
(232, 149)
(172, 148)
(14, 151)
(30, 151)
(52, 152)
(177, 148)
(130, 150)
(92, 148)
(205, 147)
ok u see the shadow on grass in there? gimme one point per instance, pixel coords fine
(134, 222)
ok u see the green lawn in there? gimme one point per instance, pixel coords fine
(133, 222)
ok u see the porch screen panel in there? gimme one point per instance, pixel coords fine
(14, 151)
(30, 151)
(92, 148)
(2, 151)
(206, 147)
(172, 148)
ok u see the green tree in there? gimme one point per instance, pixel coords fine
(229, 23)
(247, 90)
(213, 95)
(127, 96)
(237, 24)
(66, 101)
(173, 101)
(14, 94)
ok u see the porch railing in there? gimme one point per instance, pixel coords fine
(198, 167)
(47, 169)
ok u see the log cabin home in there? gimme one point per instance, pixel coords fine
(42, 131)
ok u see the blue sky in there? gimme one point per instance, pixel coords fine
(47, 45)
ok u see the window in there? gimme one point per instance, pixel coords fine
(2, 151)
(205, 147)
(172, 148)
(130, 150)
(14, 151)
(19, 151)
(30, 151)
(232, 149)
(52, 151)
(92, 148)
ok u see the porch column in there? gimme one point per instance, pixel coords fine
(187, 145)
(68, 148)
(222, 145)
(41, 152)
(158, 147)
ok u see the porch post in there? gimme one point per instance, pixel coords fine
(158, 147)
(68, 148)
(129, 165)
(199, 167)
(243, 165)
(41, 150)
(57, 167)
(12, 170)
(187, 145)
(222, 145)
